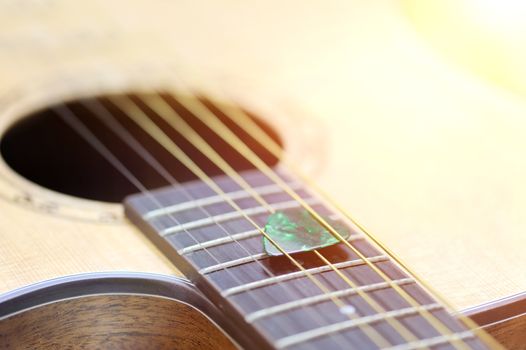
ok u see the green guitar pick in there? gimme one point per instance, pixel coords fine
(297, 231)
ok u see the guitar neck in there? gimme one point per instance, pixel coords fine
(350, 295)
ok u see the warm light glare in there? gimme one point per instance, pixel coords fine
(498, 15)
(487, 37)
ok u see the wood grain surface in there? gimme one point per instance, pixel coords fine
(510, 333)
(111, 322)
(426, 155)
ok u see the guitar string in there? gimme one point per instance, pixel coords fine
(251, 156)
(194, 138)
(98, 110)
(143, 186)
(74, 122)
(206, 116)
(135, 113)
(175, 120)
(243, 120)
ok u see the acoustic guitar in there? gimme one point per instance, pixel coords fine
(259, 175)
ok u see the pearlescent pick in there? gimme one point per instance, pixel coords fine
(297, 231)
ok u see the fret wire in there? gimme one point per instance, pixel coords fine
(229, 216)
(186, 131)
(238, 236)
(149, 158)
(256, 315)
(111, 122)
(297, 274)
(233, 140)
(219, 241)
(433, 341)
(262, 190)
(348, 324)
(232, 263)
(240, 118)
(373, 303)
(199, 110)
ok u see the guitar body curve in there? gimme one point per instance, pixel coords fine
(111, 310)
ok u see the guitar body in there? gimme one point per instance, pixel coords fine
(418, 178)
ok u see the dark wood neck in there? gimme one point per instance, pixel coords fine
(268, 297)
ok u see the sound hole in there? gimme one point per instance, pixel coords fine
(47, 151)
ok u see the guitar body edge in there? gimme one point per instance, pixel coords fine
(504, 319)
(111, 310)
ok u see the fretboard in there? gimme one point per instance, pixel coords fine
(270, 301)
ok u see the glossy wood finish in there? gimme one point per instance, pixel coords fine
(117, 321)
(504, 319)
(509, 332)
(130, 311)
